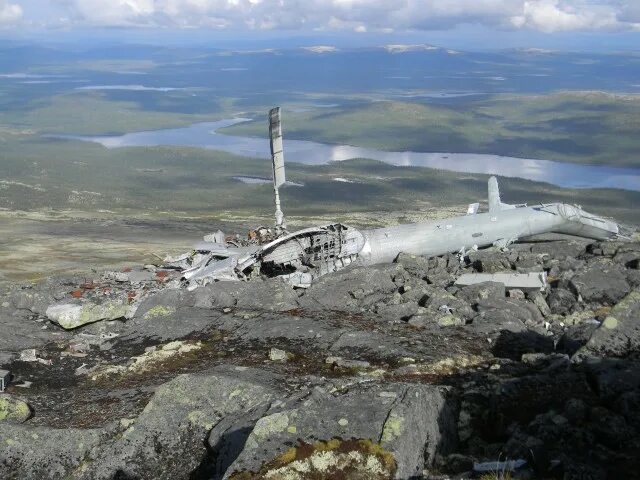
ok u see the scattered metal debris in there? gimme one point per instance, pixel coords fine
(30, 355)
(526, 282)
(506, 466)
(5, 377)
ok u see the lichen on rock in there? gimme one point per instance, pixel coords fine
(356, 459)
(13, 409)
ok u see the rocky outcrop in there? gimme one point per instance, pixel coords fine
(619, 333)
(382, 372)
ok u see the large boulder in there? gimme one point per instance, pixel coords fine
(561, 301)
(353, 289)
(406, 424)
(481, 291)
(167, 322)
(490, 260)
(619, 333)
(167, 440)
(74, 315)
(44, 452)
(602, 283)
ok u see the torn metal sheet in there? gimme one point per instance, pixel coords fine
(5, 377)
(527, 282)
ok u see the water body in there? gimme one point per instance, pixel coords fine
(206, 135)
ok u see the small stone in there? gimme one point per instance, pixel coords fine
(388, 394)
(559, 420)
(277, 355)
(530, 358)
(343, 422)
(450, 321)
(418, 321)
(516, 293)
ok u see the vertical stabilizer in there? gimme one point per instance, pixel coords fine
(277, 157)
(495, 204)
(494, 195)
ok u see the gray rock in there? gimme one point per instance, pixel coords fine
(44, 452)
(74, 315)
(609, 428)
(218, 295)
(18, 332)
(633, 277)
(628, 405)
(416, 265)
(449, 320)
(273, 295)
(561, 301)
(518, 309)
(628, 259)
(528, 262)
(403, 311)
(167, 439)
(164, 302)
(13, 409)
(349, 289)
(575, 410)
(277, 355)
(601, 283)
(370, 344)
(619, 333)
(612, 377)
(516, 294)
(490, 260)
(576, 336)
(270, 328)
(539, 301)
(413, 425)
(560, 249)
(169, 323)
(481, 291)
(346, 363)
(441, 301)
(457, 463)
(36, 298)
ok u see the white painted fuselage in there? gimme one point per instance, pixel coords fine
(499, 227)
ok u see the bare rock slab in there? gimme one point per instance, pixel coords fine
(619, 333)
(412, 422)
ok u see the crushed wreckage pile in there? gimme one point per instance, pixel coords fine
(415, 369)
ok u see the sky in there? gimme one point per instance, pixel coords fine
(573, 24)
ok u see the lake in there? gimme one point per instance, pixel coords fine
(206, 135)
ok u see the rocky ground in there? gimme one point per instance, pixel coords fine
(372, 373)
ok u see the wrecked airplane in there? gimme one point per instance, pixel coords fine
(302, 256)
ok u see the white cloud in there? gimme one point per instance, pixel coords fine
(554, 15)
(357, 15)
(9, 13)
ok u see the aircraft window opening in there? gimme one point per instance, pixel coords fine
(477, 234)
